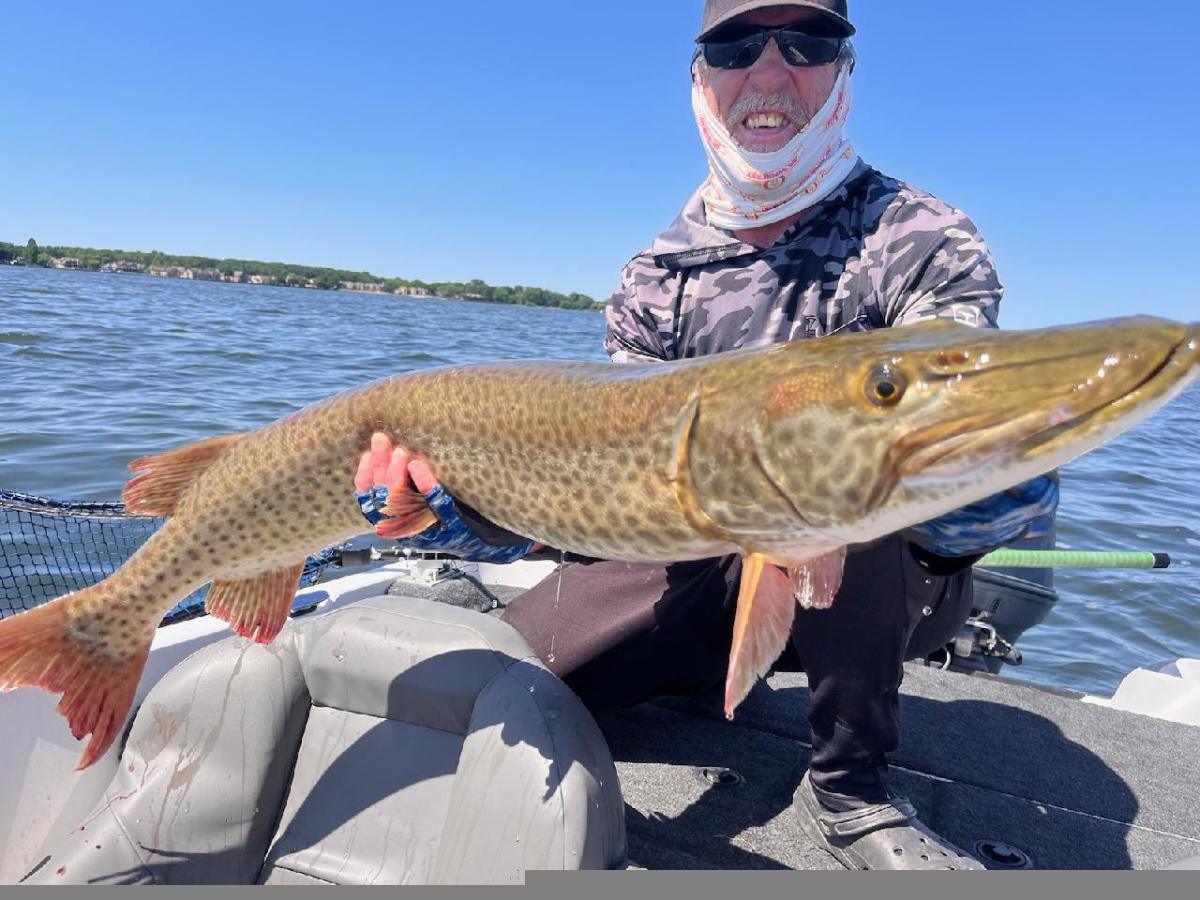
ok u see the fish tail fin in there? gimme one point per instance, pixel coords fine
(38, 648)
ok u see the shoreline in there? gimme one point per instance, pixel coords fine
(237, 271)
(413, 296)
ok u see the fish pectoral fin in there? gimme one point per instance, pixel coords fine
(160, 480)
(257, 607)
(766, 607)
(815, 581)
(97, 683)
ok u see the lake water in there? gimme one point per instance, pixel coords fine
(98, 369)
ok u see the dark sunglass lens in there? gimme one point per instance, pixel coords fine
(802, 49)
(734, 54)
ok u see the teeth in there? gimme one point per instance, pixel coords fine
(765, 120)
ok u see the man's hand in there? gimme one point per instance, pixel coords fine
(385, 471)
(1024, 511)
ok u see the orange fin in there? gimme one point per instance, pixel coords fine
(255, 607)
(160, 480)
(408, 513)
(766, 607)
(37, 650)
(409, 510)
(816, 581)
(386, 465)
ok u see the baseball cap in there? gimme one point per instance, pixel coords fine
(718, 12)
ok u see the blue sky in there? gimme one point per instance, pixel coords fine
(530, 142)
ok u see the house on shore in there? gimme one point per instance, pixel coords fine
(122, 265)
(200, 274)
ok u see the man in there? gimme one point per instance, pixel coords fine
(791, 236)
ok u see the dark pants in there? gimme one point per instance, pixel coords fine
(621, 633)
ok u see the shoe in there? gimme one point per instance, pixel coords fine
(884, 836)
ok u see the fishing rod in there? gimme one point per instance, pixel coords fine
(1007, 559)
(1076, 559)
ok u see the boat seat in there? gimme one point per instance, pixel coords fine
(392, 741)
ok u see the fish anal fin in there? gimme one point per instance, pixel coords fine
(257, 607)
(815, 581)
(160, 480)
(766, 607)
(97, 687)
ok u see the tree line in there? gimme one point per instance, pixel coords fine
(291, 275)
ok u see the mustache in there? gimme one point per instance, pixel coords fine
(755, 101)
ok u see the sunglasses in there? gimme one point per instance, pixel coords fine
(740, 48)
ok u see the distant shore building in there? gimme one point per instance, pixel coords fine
(200, 274)
(122, 265)
(14, 255)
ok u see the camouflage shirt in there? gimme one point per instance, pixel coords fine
(875, 253)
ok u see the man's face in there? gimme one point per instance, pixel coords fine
(765, 106)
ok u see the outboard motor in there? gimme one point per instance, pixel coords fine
(1007, 603)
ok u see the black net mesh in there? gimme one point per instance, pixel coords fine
(51, 547)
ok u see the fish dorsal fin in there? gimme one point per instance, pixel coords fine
(258, 607)
(159, 481)
(766, 607)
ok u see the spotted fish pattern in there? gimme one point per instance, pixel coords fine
(686, 460)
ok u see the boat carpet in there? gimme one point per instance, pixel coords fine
(984, 759)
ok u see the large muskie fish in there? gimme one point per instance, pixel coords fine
(785, 454)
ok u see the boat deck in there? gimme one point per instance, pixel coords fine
(1073, 785)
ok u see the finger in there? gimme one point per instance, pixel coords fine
(362, 478)
(381, 454)
(396, 477)
(422, 476)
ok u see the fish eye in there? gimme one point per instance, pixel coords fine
(885, 386)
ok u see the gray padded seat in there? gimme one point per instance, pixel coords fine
(394, 741)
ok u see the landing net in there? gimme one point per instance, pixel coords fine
(51, 547)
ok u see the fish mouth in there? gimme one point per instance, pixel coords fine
(1051, 431)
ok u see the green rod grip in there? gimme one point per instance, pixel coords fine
(1076, 559)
